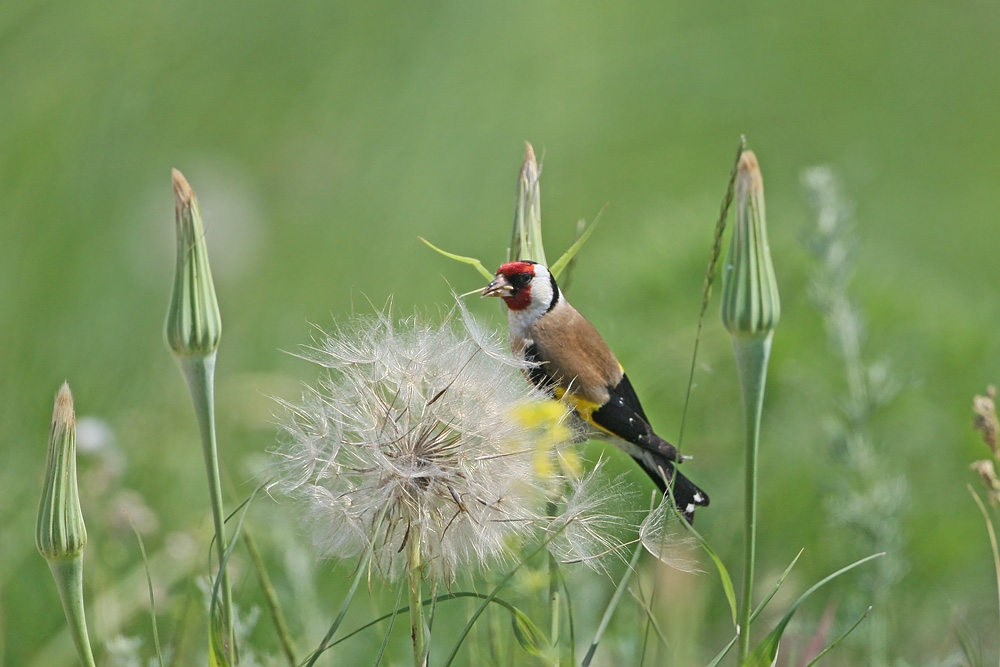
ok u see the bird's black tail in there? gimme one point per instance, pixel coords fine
(687, 496)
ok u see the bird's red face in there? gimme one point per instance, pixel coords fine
(513, 284)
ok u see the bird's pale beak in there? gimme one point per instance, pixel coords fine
(497, 287)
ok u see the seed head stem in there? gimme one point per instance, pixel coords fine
(418, 626)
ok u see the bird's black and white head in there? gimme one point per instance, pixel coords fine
(528, 289)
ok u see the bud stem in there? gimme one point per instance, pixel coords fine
(68, 575)
(752, 354)
(60, 533)
(200, 375)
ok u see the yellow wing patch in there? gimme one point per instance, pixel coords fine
(582, 407)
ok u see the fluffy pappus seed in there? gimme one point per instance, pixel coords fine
(412, 431)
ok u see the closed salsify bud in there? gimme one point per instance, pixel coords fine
(750, 303)
(194, 325)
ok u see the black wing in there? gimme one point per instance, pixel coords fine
(623, 417)
(536, 374)
(627, 394)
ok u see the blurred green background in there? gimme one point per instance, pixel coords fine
(323, 138)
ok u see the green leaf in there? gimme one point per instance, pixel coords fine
(561, 263)
(756, 612)
(216, 652)
(459, 258)
(527, 633)
(765, 653)
(727, 581)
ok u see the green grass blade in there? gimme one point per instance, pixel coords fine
(706, 290)
(149, 584)
(489, 598)
(613, 604)
(647, 608)
(388, 631)
(970, 647)
(992, 535)
(725, 650)
(760, 607)
(271, 599)
(840, 638)
(362, 568)
(218, 623)
(765, 652)
(727, 581)
(561, 263)
(522, 624)
(777, 585)
(566, 275)
(554, 588)
(569, 619)
(472, 261)
(526, 632)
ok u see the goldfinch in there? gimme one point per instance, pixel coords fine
(574, 363)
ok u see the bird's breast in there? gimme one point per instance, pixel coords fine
(573, 354)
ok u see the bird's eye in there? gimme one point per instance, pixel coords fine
(520, 279)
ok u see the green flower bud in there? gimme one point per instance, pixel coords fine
(60, 534)
(750, 304)
(750, 310)
(526, 237)
(194, 324)
(59, 531)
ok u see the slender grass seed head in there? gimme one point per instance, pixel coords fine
(985, 421)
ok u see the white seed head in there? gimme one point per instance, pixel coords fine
(665, 537)
(589, 526)
(414, 421)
